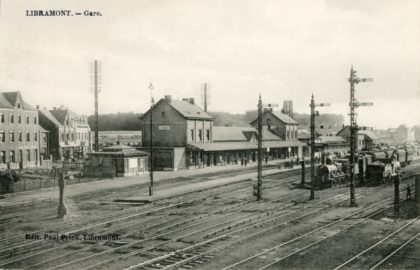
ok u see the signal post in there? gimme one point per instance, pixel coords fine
(353, 129)
(314, 113)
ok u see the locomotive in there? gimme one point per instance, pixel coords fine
(373, 167)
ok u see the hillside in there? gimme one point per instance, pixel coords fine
(130, 121)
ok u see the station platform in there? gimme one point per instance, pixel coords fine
(52, 193)
(195, 187)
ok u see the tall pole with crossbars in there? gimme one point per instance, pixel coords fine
(353, 130)
(314, 113)
(259, 128)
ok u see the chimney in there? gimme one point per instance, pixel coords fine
(37, 107)
(288, 108)
(168, 98)
(55, 108)
(270, 109)
(192, 101)
(186, 99)
(265, 109)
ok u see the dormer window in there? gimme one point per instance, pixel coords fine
(18, 105)
(269, 123)
(163, 115)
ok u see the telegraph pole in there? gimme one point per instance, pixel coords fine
(96, 90)
(353, 130)
(152, 102)
(205, 97)
(313, 114)
(259, 176)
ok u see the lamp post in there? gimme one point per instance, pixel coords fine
(353, 129)
(313, 114)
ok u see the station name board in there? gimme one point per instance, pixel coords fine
(164, 128)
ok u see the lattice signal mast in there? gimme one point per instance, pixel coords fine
(353, 129)
(314, 113)
(96, 79)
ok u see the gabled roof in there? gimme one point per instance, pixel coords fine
(231, 133)
(331, 139)
(62, 114)
(50, 117)
(368, 133)
(303, 134)
(189, 110)
(284, 118)
(185, 108)
(281, 116)
(9, 99)
(268, 135)
(120, 150)
(235, 134)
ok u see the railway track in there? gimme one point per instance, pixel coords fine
(279, 254)
(206, 195)
(387, 243)
(16, 211)
(395, 252)
(270, 222)
(193, 256)
(163, 231)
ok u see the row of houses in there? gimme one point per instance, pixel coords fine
(30, 136)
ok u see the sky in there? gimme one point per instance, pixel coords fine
(240, 48)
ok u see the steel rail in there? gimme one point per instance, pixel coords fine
(10, 262)
(176, 230)
(377, 243)
(395, 251)
(240, 230)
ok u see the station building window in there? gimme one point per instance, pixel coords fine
(11, 136)
(28, 155)
(163, 115)
(192, 134)
(208, 135)
(28, 136)
(3, 156)
(35, 136)
(1, 117)
(200, 135)
(27, 119)
(12, 156)
(19, 119)
(2, 137)
(12, 118)
(20, 136)
(35, 120)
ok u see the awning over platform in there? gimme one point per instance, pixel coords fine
(226, 146)
(222, 146)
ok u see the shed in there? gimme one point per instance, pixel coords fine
(123, 160)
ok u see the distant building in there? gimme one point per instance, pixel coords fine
(334, 145)
(416, 133)
(401, 134)
(19, 132)
(184, 136)
(69, 133)
(366, 138)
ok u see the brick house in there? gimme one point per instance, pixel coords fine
(19, 132)
(69, 133)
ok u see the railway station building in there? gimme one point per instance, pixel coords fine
(184, 137)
